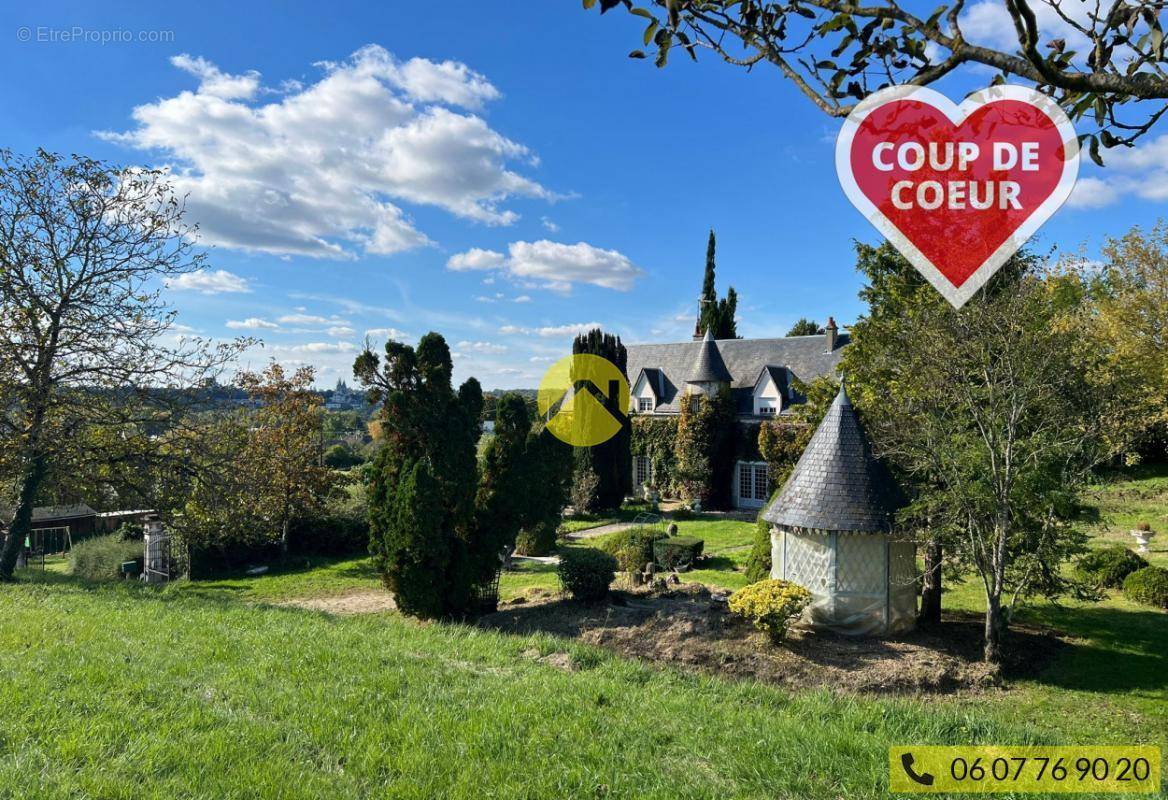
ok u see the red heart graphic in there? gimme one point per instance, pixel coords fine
(957, 189)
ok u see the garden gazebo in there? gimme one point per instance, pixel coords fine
(832, 532)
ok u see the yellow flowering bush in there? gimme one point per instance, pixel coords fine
(771, 605)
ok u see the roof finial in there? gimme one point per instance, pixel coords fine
(842, 397)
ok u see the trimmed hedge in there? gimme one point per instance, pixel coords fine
(101, 558)
(586, 573)
(329, 535)
(632, 548)
(1148, 586)
(1108, 566)
(677, 551)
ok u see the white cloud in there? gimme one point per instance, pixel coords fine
(251, 324)
(523, 298)
(388, 333)
(549, 225)
(317, 172)
(1092, 193)
(988, 23)
(553, 265)
(448, 82)
(341, 331)
(305, 319)
(551, 331)
(482, 347)
(475, 258)
(215, 83)
(559, 264)
(323, 347)
(218, 281)
(1141, 171)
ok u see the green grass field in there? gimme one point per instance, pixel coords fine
(206, 690)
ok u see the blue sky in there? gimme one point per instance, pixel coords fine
(341, 162)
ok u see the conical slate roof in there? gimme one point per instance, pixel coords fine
(838, 485)
(709, 365)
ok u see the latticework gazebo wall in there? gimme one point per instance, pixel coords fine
(862, 583)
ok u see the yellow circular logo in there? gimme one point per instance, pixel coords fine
(584, 399)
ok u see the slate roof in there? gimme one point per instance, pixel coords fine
(708, 366)
(838, 485)
(653, 377)
(806, 356)
(778, 375)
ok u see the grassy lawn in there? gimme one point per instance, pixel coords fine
(313, 577)
(205, 690)
(1141, 495)
(582, 522)
(124, 692)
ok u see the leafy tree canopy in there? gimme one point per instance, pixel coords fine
(1107, 66)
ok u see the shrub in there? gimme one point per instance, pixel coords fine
(586, 573)
(632, 547)
(340, 456)
(683, 513)
(758, 564)
(1149, 586)
(771, 605)
(101, 558)
(329, 535)
(1108, 566)
(677, 551)
(539, 540)
(582, 494)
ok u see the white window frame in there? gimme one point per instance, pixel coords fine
(644, 404)
(642, 470)
(747, 475)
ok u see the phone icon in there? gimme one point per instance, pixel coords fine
(906, 761)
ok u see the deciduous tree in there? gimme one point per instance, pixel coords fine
(283, 462)
(805, 327)
(992, 414)
(86, 250)
(1107, 58)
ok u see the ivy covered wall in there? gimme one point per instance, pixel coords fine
(655, 437)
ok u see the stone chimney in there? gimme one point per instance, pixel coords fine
(832, 333)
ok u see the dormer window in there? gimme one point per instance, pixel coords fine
(766, 411)
(644, 404)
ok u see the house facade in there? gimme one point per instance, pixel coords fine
(762, 375)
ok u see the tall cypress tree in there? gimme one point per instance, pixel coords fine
(502, 493)
(717, 316)
(611, 460)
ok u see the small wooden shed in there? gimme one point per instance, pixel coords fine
(832, 532)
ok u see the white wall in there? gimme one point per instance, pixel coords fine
(767, 394)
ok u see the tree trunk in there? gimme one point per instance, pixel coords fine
(995, 629)
(21, 526)
(930, 613)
